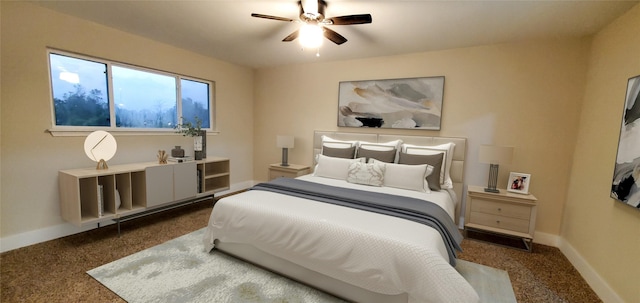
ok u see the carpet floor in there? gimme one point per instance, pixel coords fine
(55, 271)
(180, 271)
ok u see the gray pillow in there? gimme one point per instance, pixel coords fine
(388, 156)
(434, 160)
(347, 153)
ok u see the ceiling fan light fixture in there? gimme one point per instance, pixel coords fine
(313, 20)
(311, 36)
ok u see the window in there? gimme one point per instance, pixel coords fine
(195, 101)
(79, 91)
(144, 99)
(91, 92)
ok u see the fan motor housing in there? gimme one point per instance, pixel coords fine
(313, 17)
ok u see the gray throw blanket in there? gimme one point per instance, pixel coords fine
(413, 209)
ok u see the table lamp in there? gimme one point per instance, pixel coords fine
(494, 155)
(285, 142)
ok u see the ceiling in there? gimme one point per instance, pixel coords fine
(224, 29)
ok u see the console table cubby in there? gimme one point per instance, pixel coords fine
(89, 196)
(215, 175)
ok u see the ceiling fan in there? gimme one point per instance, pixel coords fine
(312, 13)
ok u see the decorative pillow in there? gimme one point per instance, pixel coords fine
(433, 160)
(333, 143)
(385, 146)
(411, 177)
(335, 168)
(445, 149)
(366, 173)
(388, 156)
(347, 153)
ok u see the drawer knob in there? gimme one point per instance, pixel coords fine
(499, 209)
(498, 221)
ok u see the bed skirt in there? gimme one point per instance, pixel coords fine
(306, 276)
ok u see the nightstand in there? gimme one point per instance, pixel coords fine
(506, 214)
(291, 171)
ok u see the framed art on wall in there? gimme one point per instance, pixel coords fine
(625, 186)
(519, 183)
(410, 103)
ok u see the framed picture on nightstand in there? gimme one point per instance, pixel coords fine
(519, 183)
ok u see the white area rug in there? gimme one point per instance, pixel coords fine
(180, 271)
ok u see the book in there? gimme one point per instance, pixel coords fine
(100, 200)
(179, 159)
(199, 181)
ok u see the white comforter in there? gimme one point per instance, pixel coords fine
(376, 252)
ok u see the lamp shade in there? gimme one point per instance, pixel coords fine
(284, 141)
(495, 154)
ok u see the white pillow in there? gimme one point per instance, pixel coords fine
(366, 173)
(411, 177)
(334, 168)
(447, 151)
(380, 146)
(333, 143)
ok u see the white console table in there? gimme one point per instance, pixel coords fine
(89, 196)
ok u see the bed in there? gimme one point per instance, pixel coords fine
(361, 256)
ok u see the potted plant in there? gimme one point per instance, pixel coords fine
(199, 136)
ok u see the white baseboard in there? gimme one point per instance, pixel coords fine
(546, 239)
(599, 285)
(236, 188)
(66, 229)
(40, 235)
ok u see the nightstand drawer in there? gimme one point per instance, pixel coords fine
(501, 209)
(291, 171)
(508, 223)
(274, 174)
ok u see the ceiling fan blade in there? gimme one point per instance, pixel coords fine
(333, 36)
(271, 17)
(291, 36)
(350, 19)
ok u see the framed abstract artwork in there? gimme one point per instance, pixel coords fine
(409, 103)
(626, 175)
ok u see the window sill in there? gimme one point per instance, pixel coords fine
(57, 132)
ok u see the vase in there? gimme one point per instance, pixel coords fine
(198, 147)
(200, 144)
(203, 133)
(177, 152)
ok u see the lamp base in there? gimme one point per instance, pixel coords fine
(493, 179)
(285, 156)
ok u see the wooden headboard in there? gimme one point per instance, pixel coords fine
(457, 164)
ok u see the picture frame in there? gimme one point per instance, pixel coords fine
(407, 103)
(625, 184)
(519, 183)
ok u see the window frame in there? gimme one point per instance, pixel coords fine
(69, 130)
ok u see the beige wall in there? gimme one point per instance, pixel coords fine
(525, 95)
(604, 232)
(31, 158)
(557, 102)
